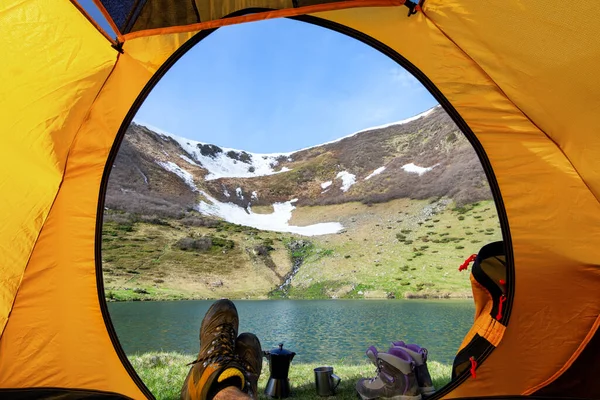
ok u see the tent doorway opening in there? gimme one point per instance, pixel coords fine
(386, 210)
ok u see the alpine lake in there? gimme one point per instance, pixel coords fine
(318, 331)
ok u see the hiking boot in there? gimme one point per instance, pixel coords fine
(217, 366)
(419, 356)
(372, 354)
(395, 377)
(249, 352)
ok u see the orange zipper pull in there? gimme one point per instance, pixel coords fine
(473, 367)
(502, 300)
(469, 260)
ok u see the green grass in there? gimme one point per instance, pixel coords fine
(164, 374)
(408, 261)
(143, 261)
(385, 251)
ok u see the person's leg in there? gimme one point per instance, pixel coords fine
(249, 352)
(227, 367)
(231, 393)
(216, 367)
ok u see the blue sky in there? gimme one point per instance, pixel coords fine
(278, 86)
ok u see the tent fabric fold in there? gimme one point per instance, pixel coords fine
(520, 77)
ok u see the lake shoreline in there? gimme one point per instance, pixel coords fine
(115, 296)
(407, 296)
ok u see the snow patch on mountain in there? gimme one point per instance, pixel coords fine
(376, 172)
(325, 185)
(415, 169)
(277, 221)
(177, 170)
(402, 122)
(224, 162)
(347, 178)
(189, 160)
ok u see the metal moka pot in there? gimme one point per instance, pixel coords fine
(279, 360)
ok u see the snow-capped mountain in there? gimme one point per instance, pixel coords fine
(424, 156)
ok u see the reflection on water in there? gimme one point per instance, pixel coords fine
(317, 330)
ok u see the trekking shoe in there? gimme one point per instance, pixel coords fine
(249, 352)
(217, 366)
(395, 377)
(372, 354)
(419, 356)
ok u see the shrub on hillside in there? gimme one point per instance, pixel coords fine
(118, 218)
(196, 244)
(241, 156)
(263, 250)
(147, 204)
(209, 150)
(224, 244)
(195, 220)
(152, 219)
(300, 249)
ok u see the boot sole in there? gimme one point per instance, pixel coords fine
(427, 390)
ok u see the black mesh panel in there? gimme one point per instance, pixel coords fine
(119, 10)
(164, 13)
(139, 15)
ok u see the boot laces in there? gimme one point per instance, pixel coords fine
(222, 347)
(382, 375)
(424, 354)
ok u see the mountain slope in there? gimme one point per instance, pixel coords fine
(383, 212)
(422, 158)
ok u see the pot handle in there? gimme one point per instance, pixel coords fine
(336, 379)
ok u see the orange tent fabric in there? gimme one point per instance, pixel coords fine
(520, 79)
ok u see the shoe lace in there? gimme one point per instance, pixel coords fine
(381, 374)
(222, 347)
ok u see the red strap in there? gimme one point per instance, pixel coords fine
(502, 300)
(469, 260)
(473, 367)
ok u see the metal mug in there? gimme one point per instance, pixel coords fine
(326, 381)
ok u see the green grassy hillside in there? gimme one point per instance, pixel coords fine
(402, 248)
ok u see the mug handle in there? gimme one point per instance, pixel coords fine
(336, 379)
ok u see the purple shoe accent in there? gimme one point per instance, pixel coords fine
(421, 371)
(406, 384)
(414, 347)
(400, 353)
(372, 353)
(389, 379)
